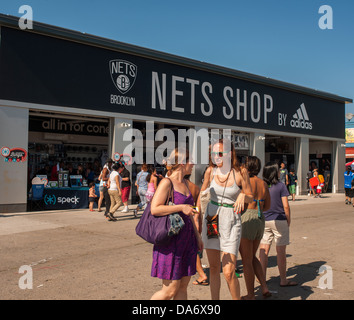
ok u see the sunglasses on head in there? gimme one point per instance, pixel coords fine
(220, 153)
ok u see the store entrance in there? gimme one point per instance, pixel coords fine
(321, 159)
(66, 153)
(136, 168)
(280, 149)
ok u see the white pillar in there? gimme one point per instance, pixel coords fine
(302, 161)
(118, 128)
(258, 148)
(338, 166)
(13, 134)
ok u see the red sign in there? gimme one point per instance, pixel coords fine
(14, 155)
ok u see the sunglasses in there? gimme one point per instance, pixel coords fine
(219, 154)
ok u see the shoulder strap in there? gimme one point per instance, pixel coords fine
(170, 195)
(186, 183)
(222, 200)
(233, 172)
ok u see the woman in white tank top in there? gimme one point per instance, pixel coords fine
(225, 179)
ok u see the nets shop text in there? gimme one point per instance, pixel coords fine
(238, 104)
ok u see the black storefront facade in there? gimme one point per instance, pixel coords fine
(58, 73)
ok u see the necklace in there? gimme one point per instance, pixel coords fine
(225, 179)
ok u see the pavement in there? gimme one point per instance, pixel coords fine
(77, 255)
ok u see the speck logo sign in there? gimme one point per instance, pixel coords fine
(123, 74)
(61, 200)
(50, 199)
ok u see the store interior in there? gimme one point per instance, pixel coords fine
(81, 145)
(280, 149)
(82, 150)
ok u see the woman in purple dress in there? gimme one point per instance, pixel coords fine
(176, 262)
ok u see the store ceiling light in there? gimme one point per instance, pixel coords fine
(125, 125)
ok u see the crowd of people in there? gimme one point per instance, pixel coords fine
(114, 188)
(317, 179)
(115, 185)
(243, 214)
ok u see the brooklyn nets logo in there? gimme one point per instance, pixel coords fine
(123, 74)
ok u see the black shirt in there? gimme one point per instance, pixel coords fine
(125, 174)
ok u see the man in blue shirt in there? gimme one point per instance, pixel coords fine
(348, 177)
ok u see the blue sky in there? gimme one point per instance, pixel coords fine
(279, 39)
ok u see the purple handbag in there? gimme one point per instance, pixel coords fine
(154, 229)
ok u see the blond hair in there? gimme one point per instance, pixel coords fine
(177, 157)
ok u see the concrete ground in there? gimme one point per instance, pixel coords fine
(79, 255)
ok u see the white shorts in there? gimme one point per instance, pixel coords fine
(277, 230)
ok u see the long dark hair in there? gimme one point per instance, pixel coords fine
(253, 165)
(270, 173)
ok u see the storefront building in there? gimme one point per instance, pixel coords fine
(69, 96)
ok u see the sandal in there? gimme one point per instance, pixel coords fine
(201, 283)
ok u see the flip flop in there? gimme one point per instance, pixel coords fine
(289, 284)
(201, 283)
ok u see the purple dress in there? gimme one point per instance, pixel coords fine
(178, 258)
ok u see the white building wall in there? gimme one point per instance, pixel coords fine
(13, 134)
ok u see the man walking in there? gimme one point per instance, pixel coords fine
(283, 174)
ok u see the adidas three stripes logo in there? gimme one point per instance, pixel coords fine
(301, 119)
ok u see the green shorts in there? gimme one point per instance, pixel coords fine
(292, 188)
(252, 225)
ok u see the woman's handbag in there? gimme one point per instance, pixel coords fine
(158, 229)
(153, 229)
(212, 222)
